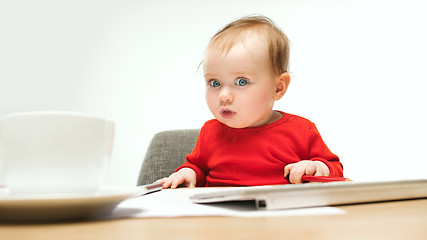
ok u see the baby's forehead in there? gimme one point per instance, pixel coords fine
(242, 57)
(250, 40)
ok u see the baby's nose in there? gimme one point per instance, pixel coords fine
(226, 96)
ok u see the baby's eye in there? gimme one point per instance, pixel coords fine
(214, 83)
(241, 82)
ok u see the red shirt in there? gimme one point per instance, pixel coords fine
(225, 156)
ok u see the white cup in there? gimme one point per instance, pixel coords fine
(54, 152)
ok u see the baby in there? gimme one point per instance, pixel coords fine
(248, 143)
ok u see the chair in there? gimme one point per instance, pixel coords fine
(166, 152)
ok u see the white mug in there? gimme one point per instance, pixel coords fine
(53, 152)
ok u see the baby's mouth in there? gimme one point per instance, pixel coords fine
(226, 113)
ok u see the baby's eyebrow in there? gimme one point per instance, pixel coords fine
(209, 76)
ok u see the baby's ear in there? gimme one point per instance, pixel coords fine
(281, 85)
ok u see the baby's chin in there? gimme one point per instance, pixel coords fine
(235, 122)
(234, 125)
(240, 125)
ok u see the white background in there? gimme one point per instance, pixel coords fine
(358, 71)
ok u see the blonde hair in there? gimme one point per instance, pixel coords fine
(276, 41)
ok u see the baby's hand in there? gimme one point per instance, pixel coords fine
(305, 167)
(185, 176)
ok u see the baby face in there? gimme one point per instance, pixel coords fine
(240, 84)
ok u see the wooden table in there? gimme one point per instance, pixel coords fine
(387, 220)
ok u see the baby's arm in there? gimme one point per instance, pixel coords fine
(295, 171)
(185, 176)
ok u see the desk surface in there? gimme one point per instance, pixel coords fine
(387, 220)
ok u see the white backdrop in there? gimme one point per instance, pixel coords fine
(358, 71)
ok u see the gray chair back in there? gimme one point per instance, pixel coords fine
(166, 152)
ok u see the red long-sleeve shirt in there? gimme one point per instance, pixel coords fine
(225, 156)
